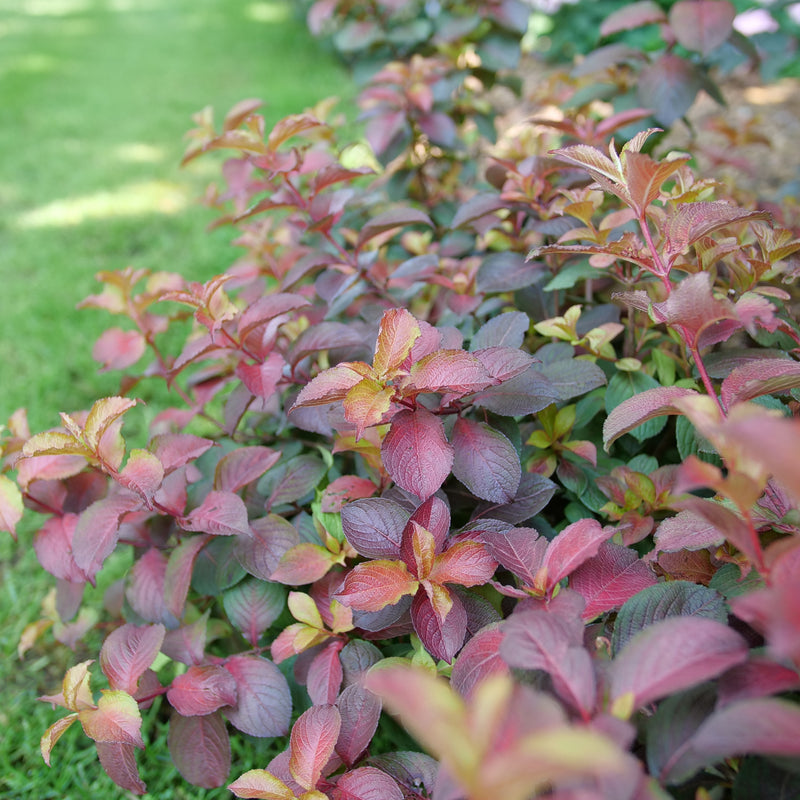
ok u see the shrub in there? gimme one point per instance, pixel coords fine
(508, 460)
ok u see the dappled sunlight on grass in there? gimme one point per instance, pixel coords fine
(139, 153)
(132, 199)
(54, 8)
(267, 12)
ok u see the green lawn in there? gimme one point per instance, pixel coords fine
(95, 98)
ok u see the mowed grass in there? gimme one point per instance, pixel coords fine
(95, 99)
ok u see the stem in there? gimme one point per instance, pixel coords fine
(701, 368)
(661, 267)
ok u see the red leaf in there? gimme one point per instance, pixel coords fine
(671, 655)
(360, 711)
(118, 349)
(571, 547)
(442, 638)
(242, 466)
(179, 573)
(97, 530)
(220, 514)
(644, 178)
(119, 762)
(464, 563)
(175, 450)
(325, 675)
(142, 474)
(127, 652)
(264, 707)
(262, 379)
(398, 332)
(641, 407)
(374, 527)
(376, 584)
(202, 690)
(479, 659)
(416, 453)
(702, 25)
(200, 749)
(312, 742)
(367, 783)
(455, 371)
(608, 579)
(485, 461)
(344, 490)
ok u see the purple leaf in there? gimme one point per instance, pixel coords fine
(669, 86)
(200, 749)
(118, 759)
(476, 207)
(485, 461)
(632, 15)
(260, 552)
(572, 377)
(145, 590)
(519, 550)
(533, 495)
(252, 606)
(391, 220)
(504, 330)
(702, 25)
(610, 578)
(360, 711)
(295, 479)
(506, 272)
(264, 707)
(179, 573)
(442, 638)
(374, 527)
(525, 393)
(416, 453)
(672, 655)
(175, 450)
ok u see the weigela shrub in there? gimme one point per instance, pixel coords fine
(514, 462)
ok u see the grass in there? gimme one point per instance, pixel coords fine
(96, 98)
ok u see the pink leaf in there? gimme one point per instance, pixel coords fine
(142, 474)
(640, 408)
(118, 349)
(360, 711)
(312, 742)
(175, 450)
(485, 461)
(479, 659)
(145, 590)
(671, 655)
(264, 707)
(520, 550)
(220, 514)
(303, 563)
(344, 490)
(416, 453)
(127, 652)
(376, 584)
(687, 530)
(200, 749)
(466, 563)
(115, 719)
(325, 675)
(367, 783)
(52, 544)
(571, 547)
(119, 762)
(757, 677)
(702, 25)
(242, 466)
(202, 690)
(269, 539)
(608, 579)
